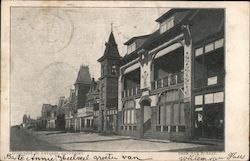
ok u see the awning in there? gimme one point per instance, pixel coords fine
(132, 68)
(168, 50)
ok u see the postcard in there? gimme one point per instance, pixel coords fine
(124, 80)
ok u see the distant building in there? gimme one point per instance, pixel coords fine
(49, 113)
(29, 122)
(85, 116)
(77, 99)
(82, 86)
(69, 110)
(110, 62)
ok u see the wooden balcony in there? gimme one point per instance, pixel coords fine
(170, 80)
(131, 91)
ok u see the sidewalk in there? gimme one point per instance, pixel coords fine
(94, 142)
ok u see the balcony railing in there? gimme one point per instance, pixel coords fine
(170, 80)
(131, 91)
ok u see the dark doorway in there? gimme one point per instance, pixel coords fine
(209, 121)
(60, 122)
(213, 124)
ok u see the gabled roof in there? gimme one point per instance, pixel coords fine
(135, 38)
(169, 13)
(83, 75)
(111, 50)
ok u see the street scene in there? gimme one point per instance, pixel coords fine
(25, 140)
(152, 83)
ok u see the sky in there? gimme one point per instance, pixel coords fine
(48, 45)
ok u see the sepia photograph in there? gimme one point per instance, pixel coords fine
(125, 79)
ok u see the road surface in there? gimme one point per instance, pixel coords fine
(23, 139)
(26, 140)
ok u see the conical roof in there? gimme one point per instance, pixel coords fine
(83, 75)
(111, 50)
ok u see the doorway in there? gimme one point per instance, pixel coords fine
(209, 121)
(146, 118)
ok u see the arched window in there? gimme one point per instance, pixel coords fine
(170, 112)
(129, 114)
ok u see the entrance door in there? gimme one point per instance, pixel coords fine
(213, 122)
(146, 118)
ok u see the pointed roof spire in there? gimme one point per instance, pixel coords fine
(111, 50)
(83, 75)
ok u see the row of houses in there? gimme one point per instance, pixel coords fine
(169, 85)
(75, 112)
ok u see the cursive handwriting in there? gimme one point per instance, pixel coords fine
(69, 157)
(233, 156)
(196, 156)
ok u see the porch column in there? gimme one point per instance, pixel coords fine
(187, 77)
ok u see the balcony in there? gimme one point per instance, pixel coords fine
(170, 80)
(131, 91)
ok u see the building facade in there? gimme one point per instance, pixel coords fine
(160, 75)
(169, 85)
(49, 115)
(109, 87)
(93, 99)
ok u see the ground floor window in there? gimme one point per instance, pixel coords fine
(171, 112)
(129, 115)
(209, 115)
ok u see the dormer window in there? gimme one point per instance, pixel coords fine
(166, 25)
(131, 47)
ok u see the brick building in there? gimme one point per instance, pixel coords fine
(109, 87)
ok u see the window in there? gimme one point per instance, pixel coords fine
(209, 47)
(199, 51)
(171, 111)
(132, 117)
(212, 80)
(218, 97)
(214, 45)
(113, 68)
(131, 47)
(214, 98)
(129, 116)
(124, 117)
(209, 98)
(219, 43)
(199, 100)
(168, 115)
(166, 25)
